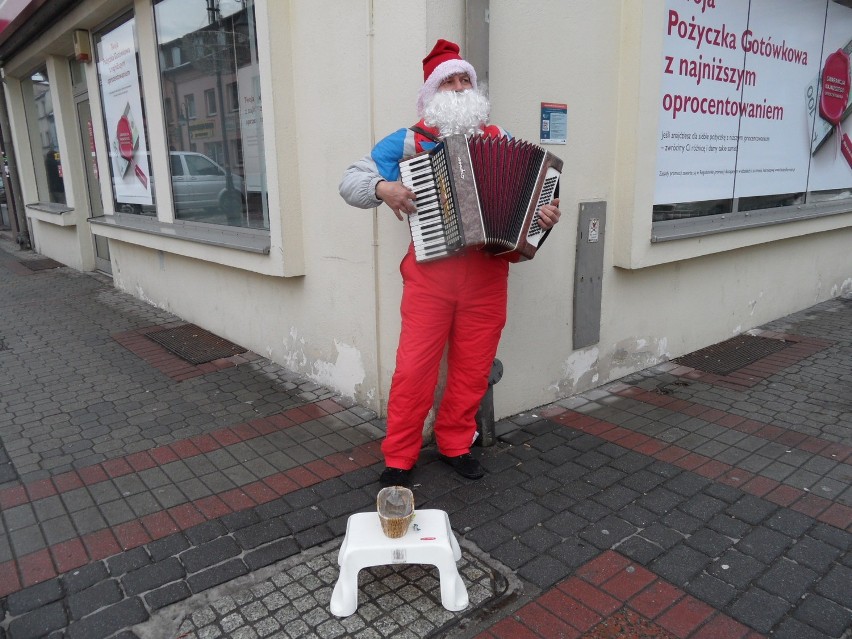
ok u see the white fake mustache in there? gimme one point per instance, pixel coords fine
(454, 112)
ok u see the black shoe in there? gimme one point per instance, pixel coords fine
(395, 477)
(465, 465)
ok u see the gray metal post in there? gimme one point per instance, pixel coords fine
(485, 414)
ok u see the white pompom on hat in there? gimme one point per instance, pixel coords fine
(443, 61)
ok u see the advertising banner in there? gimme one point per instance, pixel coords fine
(122, 104)
(743, 82)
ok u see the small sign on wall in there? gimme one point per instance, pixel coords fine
(554, 123)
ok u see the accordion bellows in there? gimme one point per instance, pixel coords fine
(479, 192)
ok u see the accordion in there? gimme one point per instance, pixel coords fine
(479, 192)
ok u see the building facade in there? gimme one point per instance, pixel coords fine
(192, 149)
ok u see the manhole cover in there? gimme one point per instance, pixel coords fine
(292, 599)
(731, 355)
(41, 265)
(194, 344)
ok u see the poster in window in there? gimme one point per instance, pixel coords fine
(737, 114)
(122, 105)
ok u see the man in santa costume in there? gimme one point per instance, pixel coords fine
(458, 302)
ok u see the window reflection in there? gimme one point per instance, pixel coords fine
(42, 125)
(209, 72)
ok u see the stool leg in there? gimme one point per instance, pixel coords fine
(453, 591)
(344, 597)
(454, 544)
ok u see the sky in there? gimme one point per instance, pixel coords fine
(178, 17)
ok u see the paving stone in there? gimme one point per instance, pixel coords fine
(84, 577)
(607, 532)
(573, 552)
(759, 609)
(660, 501)
(87, 601)
(211, 577)
(735, 568)
(153, 576)
(831, 535)
(109, 620)
(751, 510)
(711, 590)
(709, 542)
(271, 553)
(680, 521)
(790, 523)
(525, 517)
(539, 538)
(687, 484)
(39, 623)
(315, 536)
(764, 544)
(795, 629)
(127, 561)
(209, 554)
(167, 547)
(680, 564)
(837, 586)
(824, 615)
(642, 481)
(34, 597)
(639, 550)
(663, 536)
(729, 526)
(787, 579)
(167, 595)
(703, 507)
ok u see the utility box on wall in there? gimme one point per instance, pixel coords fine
(588, 274)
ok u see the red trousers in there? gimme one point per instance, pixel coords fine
(458, 302)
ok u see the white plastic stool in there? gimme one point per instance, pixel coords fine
(429, 540)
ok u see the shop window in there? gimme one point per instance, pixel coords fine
(189, 102)
(750, 126)
(210, 101)
(219, 62)
(42, 130)
(124, 119)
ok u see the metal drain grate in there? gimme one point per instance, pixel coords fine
(194, 344)
(41, 265)
(731, 355)
(291, 599)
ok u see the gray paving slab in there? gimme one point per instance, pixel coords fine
(775, 556)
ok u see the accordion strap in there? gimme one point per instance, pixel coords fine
(425, 133)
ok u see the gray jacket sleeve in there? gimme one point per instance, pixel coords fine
(358, 186)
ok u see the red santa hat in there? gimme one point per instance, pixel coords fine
(443, 61)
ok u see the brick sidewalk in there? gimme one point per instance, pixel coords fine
(134, 486)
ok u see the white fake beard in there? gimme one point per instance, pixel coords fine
(454, 112)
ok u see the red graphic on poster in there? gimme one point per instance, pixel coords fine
(834, 95)
(846, 148)
(92, 150)
(127, 146)
(835, 87)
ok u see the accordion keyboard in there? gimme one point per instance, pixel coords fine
(433, 232)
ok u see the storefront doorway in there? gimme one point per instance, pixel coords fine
(84, 125)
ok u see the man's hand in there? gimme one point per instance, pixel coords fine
(399, 198)
(548, 214)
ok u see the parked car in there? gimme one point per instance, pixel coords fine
(200, 183)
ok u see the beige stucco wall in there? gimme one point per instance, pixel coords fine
(337, 75)
(659, 301)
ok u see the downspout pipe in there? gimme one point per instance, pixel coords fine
(15, 202)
